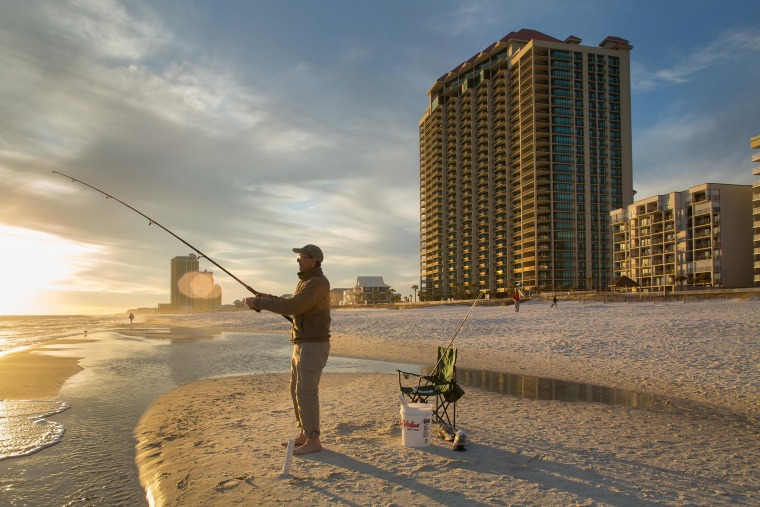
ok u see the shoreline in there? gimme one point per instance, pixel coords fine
(31, 374)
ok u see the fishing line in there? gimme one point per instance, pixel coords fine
(152, 221)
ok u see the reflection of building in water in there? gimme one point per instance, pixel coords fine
(191, 289)
(525, 386)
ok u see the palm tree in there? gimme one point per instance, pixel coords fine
(414, 288)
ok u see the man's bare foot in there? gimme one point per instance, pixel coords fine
(311, 445)
(299, 440)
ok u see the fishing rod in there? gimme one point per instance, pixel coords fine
(480, 295)
(151, 222)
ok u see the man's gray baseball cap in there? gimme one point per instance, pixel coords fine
(311, 251)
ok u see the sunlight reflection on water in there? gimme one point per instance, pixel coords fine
(94, 462)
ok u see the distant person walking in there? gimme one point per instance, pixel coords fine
(310, 335)
(516, 297)
(554, 302)
(131, 318)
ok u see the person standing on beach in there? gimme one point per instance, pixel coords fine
(131, 317)
(554, 302)
(516, 297)
(310, 310)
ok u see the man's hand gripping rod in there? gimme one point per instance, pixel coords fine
(151, 222)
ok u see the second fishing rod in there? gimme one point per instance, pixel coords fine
(152, 221)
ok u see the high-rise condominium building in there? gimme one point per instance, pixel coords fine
(191, 289)
(755, 145)
(525, 148)
(180, 267)
(697, 237)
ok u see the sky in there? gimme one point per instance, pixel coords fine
(248, 128)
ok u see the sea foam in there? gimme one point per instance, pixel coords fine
(24, 429)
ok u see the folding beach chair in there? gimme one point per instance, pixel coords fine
(440, 384)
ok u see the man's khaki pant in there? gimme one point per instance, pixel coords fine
(305, 371)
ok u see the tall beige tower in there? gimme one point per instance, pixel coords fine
(182, 267)
(755, 145)
(525, 148)
(191, 289)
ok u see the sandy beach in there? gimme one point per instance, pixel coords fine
(216, 442)
(29, 375)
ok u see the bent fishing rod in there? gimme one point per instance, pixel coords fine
(151, 222)
(480, 295)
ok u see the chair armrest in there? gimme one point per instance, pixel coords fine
(434, 380)
(406, 375)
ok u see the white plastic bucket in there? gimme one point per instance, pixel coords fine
(415, 424)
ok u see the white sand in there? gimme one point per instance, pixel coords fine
(216, 442)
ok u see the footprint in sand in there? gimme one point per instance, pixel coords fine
(231, 483)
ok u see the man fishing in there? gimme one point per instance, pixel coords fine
(310, 308)
(310, 334)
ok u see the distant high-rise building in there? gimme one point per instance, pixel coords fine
(755, 145)
(191, 289)
(697, 237)
(525, 148)
(180, 267)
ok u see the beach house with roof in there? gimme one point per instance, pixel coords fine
(368, 290)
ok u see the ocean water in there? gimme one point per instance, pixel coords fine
(18, 332)
(79, 448)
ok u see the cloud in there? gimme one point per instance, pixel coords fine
(730, 45)
(689, 149)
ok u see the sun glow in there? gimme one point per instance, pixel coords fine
(34, 263)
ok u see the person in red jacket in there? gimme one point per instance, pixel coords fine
(309, 308)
